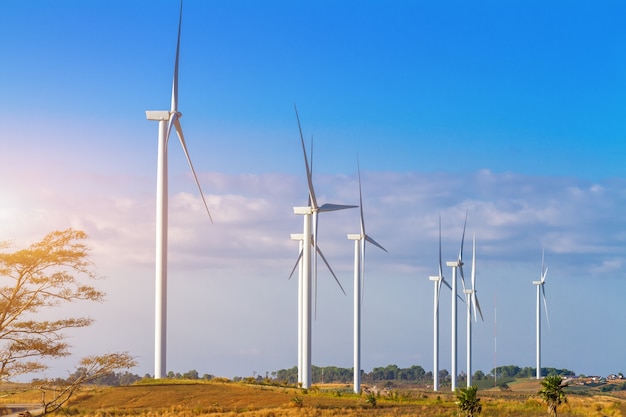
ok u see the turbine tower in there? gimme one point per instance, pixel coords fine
(309, 241)
(472, 304)
(437, 280)
(167, 119)
(359, 276)
(456, 265)
(541, 291)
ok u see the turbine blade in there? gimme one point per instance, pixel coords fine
(358, 167)
(179, 131)
(474, 263)
(545, 304)
(334, 207)
(362, 270)
(311, 157)
(460, 264)
(445, 282)
(543, 253)
(296, 265)
(373, 242)
(463, 238)
(315, 250)
(319, 251)
(544, 275)
(309, 175)
(450, 288)
(477, 305)
(474, 298)
(438, 284)
(174, 107)
(440, 263)
(462, 276)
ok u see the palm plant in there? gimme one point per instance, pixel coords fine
(371, 399)
(552, 393)
(468, 402)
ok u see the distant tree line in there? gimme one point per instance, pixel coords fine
(122, 378)
(414, 373)
(329, 374)
(345, 375)
(513, 371)
(110, 379)
(192, 374)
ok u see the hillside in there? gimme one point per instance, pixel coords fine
(220, 399)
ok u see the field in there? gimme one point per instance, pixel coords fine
(218, 399)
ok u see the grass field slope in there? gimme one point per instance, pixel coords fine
(225, 398)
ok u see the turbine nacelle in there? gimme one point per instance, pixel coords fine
(160, 115)
(303, 210)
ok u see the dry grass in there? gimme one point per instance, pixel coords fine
(234, 399)
(223, 399)
(11, 393)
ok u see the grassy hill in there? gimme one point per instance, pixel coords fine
(220, 399)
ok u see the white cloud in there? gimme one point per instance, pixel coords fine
(235, 270)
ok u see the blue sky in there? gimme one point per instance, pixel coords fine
(513, 111)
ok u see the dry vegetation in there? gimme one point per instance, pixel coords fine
(221, 399)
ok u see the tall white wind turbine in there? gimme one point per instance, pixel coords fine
(309, 242)
(437, 280)
(301, 286)
(456, 265)
(472, 304)
(541, 291)
(167, 119)
(359, 276)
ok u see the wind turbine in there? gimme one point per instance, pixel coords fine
(167, 119)
(458, 264)
(359, 276)
(299, 264)
(472, 304)
(540, 288)
(437, 280)
(309, 240)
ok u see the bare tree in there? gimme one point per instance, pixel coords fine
(89, 369)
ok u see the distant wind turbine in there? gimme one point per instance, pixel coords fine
(437, 280)
(456, 265)
(167, 119)
(472, 304)
(541, 291)
(359, 276)
(309, 240)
